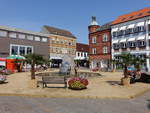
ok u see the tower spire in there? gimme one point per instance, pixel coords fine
(94, 22)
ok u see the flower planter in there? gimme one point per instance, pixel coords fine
(77, 83)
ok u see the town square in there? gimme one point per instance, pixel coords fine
(75, 56)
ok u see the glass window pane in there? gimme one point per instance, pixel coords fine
(44, 39)
(37, 38)
(30, 37)
(29, 50)
(22, 50)
(14, 50)
(12, 35)
(21, 36)
(3, 33)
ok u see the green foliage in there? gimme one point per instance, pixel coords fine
(33, 59)
(126, 59)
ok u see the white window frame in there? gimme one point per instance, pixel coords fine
(18, 51)
(105, 49)
(105, 37)
(93, 50)
(94, 39)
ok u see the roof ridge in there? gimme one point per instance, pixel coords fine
(58, 31)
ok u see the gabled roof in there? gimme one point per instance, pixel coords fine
(104, 27)
(82, 47)
(57, 31)
(132, 16)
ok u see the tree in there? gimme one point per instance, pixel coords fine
(126, 59)
(34, 59)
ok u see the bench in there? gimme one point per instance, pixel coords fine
(54, 80)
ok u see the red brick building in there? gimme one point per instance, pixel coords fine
(99, 44)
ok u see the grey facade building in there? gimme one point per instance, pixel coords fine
(21, 42)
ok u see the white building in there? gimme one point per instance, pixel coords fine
(82, 51)
(131, 33)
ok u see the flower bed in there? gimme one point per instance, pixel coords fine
(77, 83)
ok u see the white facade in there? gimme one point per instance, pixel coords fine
(132, 36)
(81, 55)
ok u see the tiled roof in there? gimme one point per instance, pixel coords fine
(57, 31)
(104, 27)
(82, 47)
(132, 16)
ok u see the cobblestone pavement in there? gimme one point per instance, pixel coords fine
(14, 104)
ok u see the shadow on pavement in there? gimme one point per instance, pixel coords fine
(114, 82)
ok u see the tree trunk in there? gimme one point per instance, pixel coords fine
(32, 71)
(125, 72)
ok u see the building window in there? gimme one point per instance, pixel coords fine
(120, 33)
(21, 36)
(14, 50)
(116, 46)
(81, 54)
(105, 49)
(78, 54)
(105, 37)
(85, 54)
(37, 38)
(29, 37)
(129, 31)
(12, 35)
(123, 45)
(148, 27)
(29, 50)
(93, 50)
(93, 40)
(132, 44)
(114, 34)
(141, 43)
(44, 39)
(3, 33)
(22, 50)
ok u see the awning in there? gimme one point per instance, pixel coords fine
(114, 29)
(55, 58)
(149, 22)
(131, 39)
(140, 24)
(123, 40)
(123, 28)
(141, 38)
(115, 41)
(16, 57)
(131, 26)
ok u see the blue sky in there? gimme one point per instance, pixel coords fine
(73, 15)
